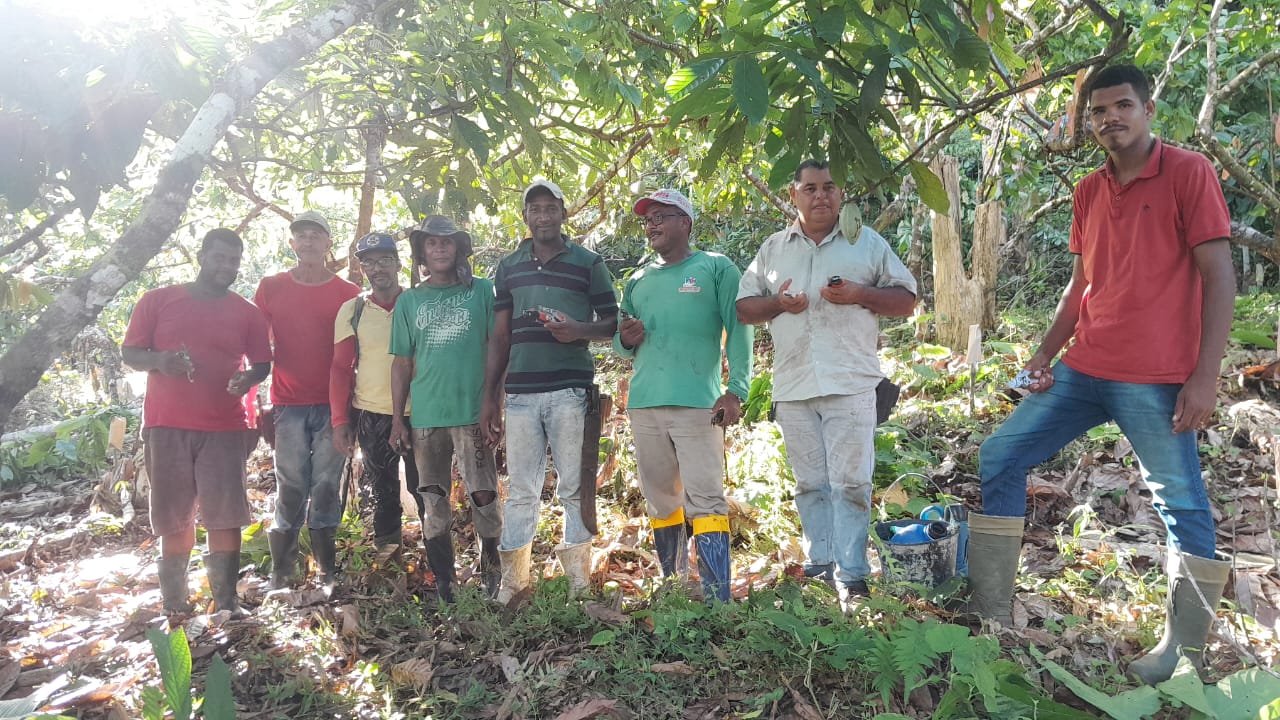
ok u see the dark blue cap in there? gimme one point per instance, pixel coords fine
(376, 241)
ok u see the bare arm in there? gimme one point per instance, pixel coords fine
(165, 362)
(1199, 395)
(401, 377)
(495, 367)
(763, 308)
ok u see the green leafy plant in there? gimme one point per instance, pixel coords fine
(175, 694)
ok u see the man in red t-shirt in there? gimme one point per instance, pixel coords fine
(1149, 306)
(300, 305)
(193, 340)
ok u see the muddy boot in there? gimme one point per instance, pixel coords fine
(223, 569)
(174, 593)
(284, 557)
(671, 541)
(515, 572)
(576, 562)
(824, 572)
(490, 567)
(994, 545)
(440, 560)
(711, 538)
(324, 549)
(387, 545)
(1189, 619)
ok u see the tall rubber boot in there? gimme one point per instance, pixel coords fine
(671, 541)
(324, 549)
(224, 569)
(711, 538)
(994, 546)
(515, 572)
(1189, 619)
(174, 594)
(440, 560)
(576, 561)
(490, 567)
(284, 557)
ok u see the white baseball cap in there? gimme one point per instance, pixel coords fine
(551, 187)
(665, 196)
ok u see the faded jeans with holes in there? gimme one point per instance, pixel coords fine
(830, 444)
(533, 421)
(1045, 422)
(435, 450)
(308, 469)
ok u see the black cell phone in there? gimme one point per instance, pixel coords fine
(718, 417)
(835, 281)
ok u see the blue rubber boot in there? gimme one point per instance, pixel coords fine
(711, 537)
(671, 541)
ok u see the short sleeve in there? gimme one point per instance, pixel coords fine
(401, 332)
(502, 292)
(142, 323)
(604, 300)
(890, 270)
(1201, 203)
(753, 282)
(342, 323)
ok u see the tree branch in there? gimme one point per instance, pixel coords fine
(769, 194)
(32, 234)
(598, 186)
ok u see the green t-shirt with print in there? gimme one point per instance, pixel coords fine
(446, 331)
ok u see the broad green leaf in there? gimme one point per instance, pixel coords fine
(750, 91)
(604, 637)
(828, 23)
(1254, 337)
(219, 703)
(690, 77)
(1186, 687)
(1132, 705)
(727, 141)
(1248, 694)
(945, 638)
(873, 87)
(712, 101)
(173, 655)
(473, 137)
(930, 188)
(1017, 688)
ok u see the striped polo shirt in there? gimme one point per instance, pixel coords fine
(575, 282)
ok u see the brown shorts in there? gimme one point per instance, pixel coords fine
(192, 469)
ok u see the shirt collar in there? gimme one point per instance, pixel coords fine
(525, 250)
(1153, 167)
(794, 232)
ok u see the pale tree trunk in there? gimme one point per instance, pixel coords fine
(963, 298)
(80, 303)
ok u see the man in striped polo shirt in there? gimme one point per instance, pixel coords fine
(553, 297)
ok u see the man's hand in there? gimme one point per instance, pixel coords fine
(491, 422)
(174, 363)
(631, 333)
(792, 302)
(727, 410)
(846, 293)
(1196, 403)
(239, 384)
(564, 328)
(401, 441)
(1041, 371)
(343, 441)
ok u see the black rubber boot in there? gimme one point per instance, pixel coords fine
(440, 560)
(490, 567)
(713, 565)
(223, 569)
(324, 550)
(284, 557)
(672, 544)
(173, 583)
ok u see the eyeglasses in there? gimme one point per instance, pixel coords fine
(658, 218)
(382, 263)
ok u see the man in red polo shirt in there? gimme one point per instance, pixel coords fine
(193, 340)
(1149, 306)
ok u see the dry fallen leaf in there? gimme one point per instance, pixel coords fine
(678, 667)
(588, 709)
(415, 672)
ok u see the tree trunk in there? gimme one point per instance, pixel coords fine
(375, 139)
(962, 298)
(81, 302)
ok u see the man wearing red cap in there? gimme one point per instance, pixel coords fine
(675, 311)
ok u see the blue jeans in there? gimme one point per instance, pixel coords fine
(830, 444)
(1045, 422)
(308, 468)
(533, 421)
